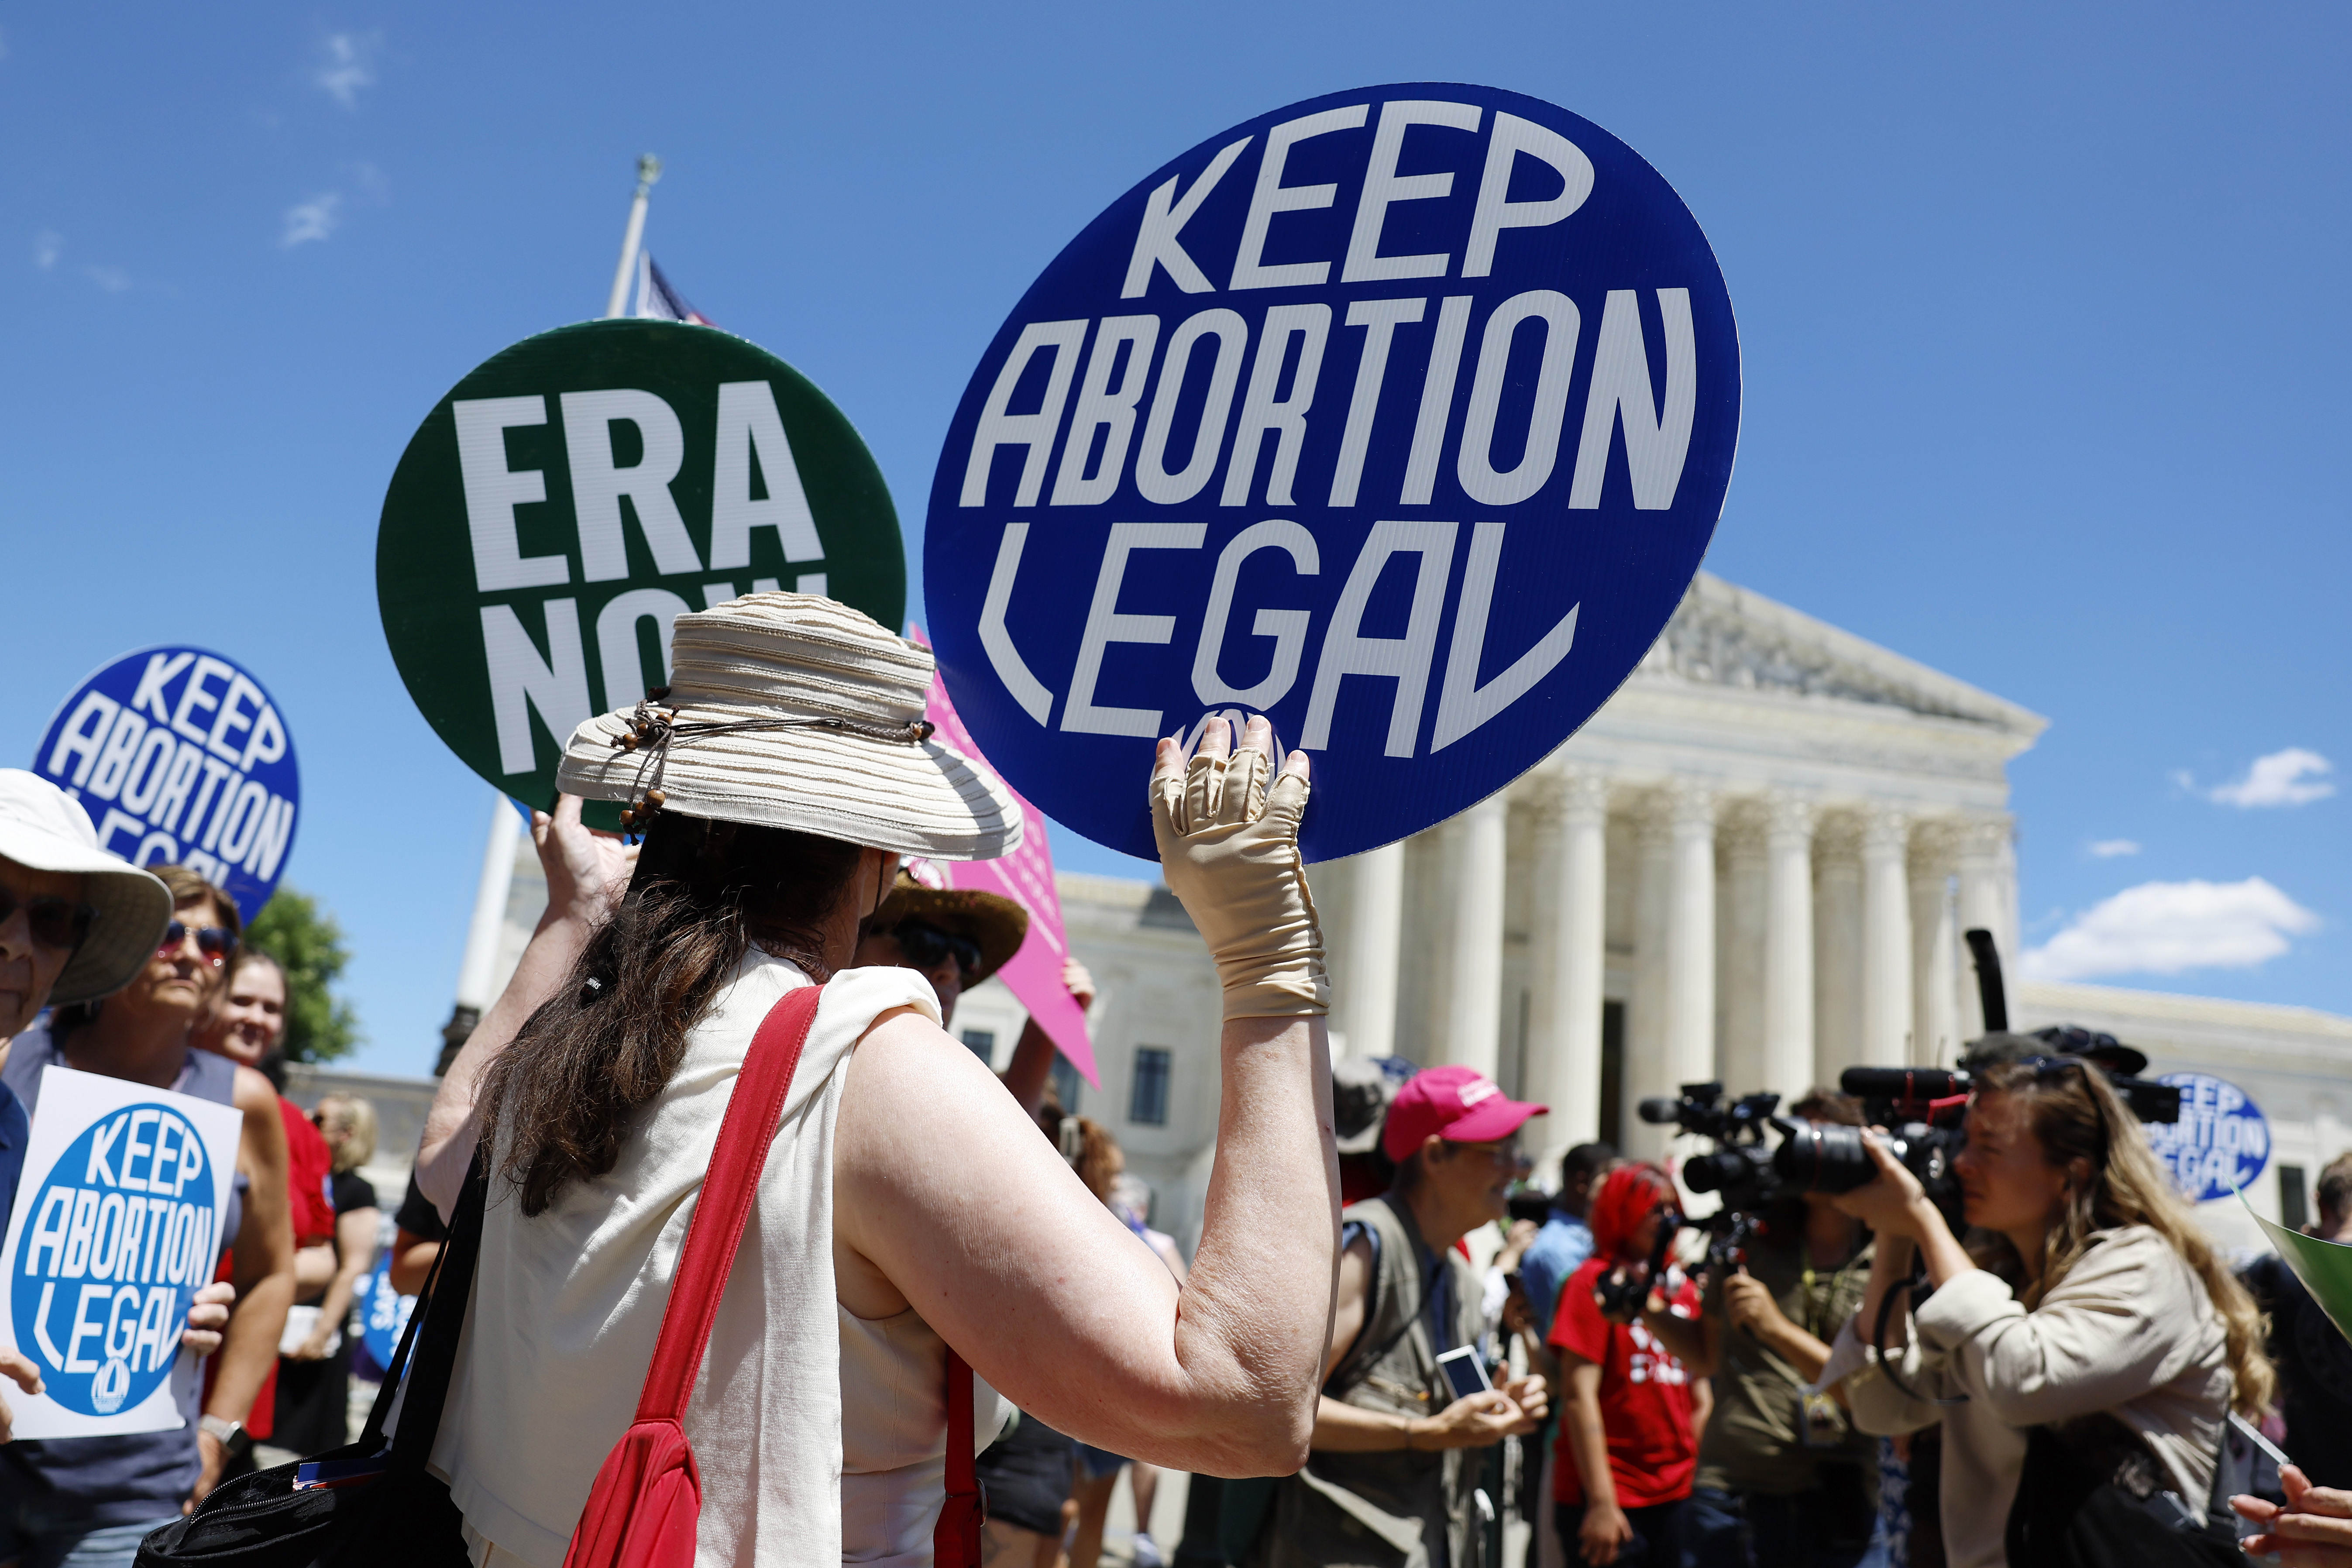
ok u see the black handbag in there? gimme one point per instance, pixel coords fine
(398, 1515)
(2093, 1495)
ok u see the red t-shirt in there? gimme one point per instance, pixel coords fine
(1645, 1405)
(309, 1177)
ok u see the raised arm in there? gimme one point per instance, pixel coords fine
(585, 872)
(1036, 1283)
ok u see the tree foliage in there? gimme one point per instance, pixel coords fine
(309, 946)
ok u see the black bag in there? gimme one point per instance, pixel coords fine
(399, 1518)
(2093, 1495)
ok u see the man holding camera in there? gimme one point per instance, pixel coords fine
(1783, 1477)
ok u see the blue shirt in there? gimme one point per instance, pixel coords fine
(1557, 1251)
(15, 1128)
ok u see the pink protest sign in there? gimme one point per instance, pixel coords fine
(1026, 877)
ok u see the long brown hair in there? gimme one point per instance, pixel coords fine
(2078, 1115)
(558, 1102)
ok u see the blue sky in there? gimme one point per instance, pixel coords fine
(2042, 316)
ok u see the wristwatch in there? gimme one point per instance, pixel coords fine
(235, 1440)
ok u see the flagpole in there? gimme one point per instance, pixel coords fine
(649, 169)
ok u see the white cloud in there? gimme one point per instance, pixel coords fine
(2163, 928)
(47, 246)
(313, 220)
(2291, 777)
(113, 279)
(2109, 848)
(346, 68)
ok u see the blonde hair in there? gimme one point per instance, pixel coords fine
(2078, 1115)
(357, 1117)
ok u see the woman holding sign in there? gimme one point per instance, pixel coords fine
(784, 775)
(79, 925)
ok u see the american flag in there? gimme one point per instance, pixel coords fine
(657, 301)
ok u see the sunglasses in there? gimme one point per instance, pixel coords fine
(927, 947)
(216, 943)
(56, 922)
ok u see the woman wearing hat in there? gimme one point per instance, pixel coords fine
(958, 937)
(77, 924)
(908, 1205)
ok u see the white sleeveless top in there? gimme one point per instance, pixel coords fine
(567, 1306)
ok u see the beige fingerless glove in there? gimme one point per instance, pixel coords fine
(1229, 849)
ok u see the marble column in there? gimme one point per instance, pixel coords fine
(1979, 863)
(1885, 938)
(1837, 947)
(1375, 924)
(1935, 941)
(1647, 1071)
(1474, 1013)
(1690, 937)
(1740, 927)
(1788, 1043)
(1571, 860)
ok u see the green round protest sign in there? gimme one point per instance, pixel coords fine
(579, 490)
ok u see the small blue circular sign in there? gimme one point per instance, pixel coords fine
(118, 1237)
(1402, 416)
(385, 1314)
(180, 755)
(2219, 1144)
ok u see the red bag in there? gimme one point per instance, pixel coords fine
(647, 1500)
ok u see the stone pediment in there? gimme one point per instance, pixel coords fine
(1723, 634)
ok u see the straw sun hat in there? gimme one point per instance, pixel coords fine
(796, 711)
(43, 828)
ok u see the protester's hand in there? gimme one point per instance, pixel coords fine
(1533, 1396)
(1229, 849)
(2314, 1531)
(207, 1317)
(1515, 1242)
(1604, 1534)
(1079, 983)
(1519, 1313)
(25, 1375)
(586, 871)
(1749, 1306)
(1473, 1421)
(216, 1460)
(315, 1347)
(1892, 1205)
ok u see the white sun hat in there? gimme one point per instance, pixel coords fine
(794, 711)
(45, 829)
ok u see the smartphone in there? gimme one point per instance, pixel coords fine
(1466, 1372)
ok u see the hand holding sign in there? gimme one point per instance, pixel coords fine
(1400, 416)
(116, 1229)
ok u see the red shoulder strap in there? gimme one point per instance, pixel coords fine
(955, 1540)
(728, 1189)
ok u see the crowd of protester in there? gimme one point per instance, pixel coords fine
(2066, 1372)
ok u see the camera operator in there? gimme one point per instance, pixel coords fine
(1627, 1348)
(2091, 1354)
(1783, 1477)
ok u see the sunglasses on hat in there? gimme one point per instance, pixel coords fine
(56, 922)
(927, 947)
(216, 943)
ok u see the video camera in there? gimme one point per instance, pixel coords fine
(1921, 1109)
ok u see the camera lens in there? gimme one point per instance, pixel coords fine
(1714, 1173)
(1830, 1159)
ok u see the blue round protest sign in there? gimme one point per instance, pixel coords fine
(117, 1239)
(1402, 416)
(2219, 1144)
(180, 755)
(384, 1314)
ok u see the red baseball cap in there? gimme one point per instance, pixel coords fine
(1460, 1105)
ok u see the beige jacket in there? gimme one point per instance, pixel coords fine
(2129, 1330)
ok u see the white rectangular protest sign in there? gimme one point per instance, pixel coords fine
(117, 1224)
